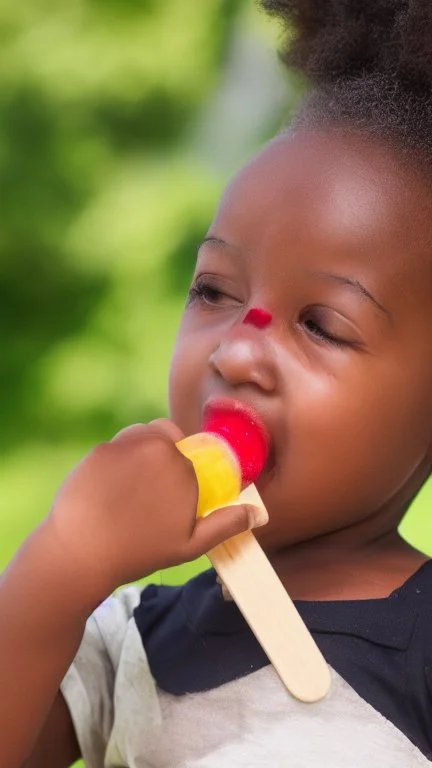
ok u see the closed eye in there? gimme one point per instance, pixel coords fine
(320, 333)
(208, 292)
(327, 327)
(205, 293)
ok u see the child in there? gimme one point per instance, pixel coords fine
(328, 231)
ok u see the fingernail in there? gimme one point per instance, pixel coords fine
(258, 516)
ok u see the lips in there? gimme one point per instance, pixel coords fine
(243, 430)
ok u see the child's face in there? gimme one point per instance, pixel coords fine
(331, 236)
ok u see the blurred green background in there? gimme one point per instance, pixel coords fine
(120, 123)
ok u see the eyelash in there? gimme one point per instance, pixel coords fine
(315, 329)
(319, 333)
(204, 292)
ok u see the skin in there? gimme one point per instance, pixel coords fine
(112, 522)
(341, 381)
(343, 385)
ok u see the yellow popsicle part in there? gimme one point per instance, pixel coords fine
(216, 468)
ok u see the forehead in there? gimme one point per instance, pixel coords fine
(328, 199)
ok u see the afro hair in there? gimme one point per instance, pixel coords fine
(368, 63)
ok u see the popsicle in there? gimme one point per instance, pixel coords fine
(228, 456)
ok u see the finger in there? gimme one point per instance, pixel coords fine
(132, 432)
(166, 427)
(157, 427)
(223, 524)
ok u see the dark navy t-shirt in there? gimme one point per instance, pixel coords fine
(196, 641)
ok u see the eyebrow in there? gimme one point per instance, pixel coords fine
(343, 280)
(216, 241)
(356, 285)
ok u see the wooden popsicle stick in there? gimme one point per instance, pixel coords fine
(272, 616)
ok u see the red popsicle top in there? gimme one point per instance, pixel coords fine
(244, 433)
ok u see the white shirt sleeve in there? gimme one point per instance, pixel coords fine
(109, 687)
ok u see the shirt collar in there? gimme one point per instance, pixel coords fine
(195, 640)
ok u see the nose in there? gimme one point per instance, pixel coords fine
(244, 357)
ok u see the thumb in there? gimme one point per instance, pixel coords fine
(224, 523)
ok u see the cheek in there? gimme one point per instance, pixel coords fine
(184, 385)
(177, 387)
(347, 453)
(360, 441)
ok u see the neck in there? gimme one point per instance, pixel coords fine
(368, 559)
(327, 574)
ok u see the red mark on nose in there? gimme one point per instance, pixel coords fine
(260, 318)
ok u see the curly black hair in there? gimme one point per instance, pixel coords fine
(368, 64)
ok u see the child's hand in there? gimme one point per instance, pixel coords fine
(129, 508)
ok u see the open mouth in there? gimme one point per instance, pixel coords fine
(245, 433)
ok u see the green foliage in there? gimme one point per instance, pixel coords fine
(90, 94)
(104, 199)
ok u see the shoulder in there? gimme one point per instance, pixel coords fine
(166, 608)
(415, 601)
(195, 640)
(110, 656)
(416, 597)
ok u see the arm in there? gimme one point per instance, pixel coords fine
(57, 746)
(127, 510)
(43, 609)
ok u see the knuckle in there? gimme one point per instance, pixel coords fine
(241, 515)
(159, 446)
(101, 451)
(167, 428)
